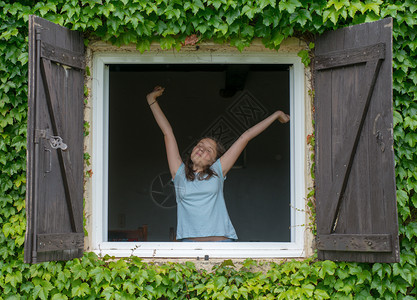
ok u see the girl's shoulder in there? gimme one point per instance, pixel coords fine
(180, 171)
(217, 167)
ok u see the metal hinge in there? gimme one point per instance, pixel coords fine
(56, 142)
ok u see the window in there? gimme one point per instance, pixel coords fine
(128, 197)
(355, 178)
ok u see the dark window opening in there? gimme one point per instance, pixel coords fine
(199, 100)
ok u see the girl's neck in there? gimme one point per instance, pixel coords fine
(197, 168)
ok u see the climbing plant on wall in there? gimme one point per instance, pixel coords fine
(170, 22)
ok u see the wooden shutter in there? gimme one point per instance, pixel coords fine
(355, 178)
(54, 197)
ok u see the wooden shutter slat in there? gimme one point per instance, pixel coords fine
(343, 162)
(355, 242)
(62, 56)
(353, 56)
(53, 242)
(57, 121)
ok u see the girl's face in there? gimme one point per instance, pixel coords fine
(204, 153)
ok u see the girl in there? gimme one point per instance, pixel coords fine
(202, 214)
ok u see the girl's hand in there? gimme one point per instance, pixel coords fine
(283, 117)
(157, 91)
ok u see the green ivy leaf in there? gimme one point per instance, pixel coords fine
(106, 9)
(408, 257)
(223, 28)
(403, 271)
(372, 5)
(167, 42)
(377, 269)
(227, 263)
(301, 17)
(175, 276)
(321, 294)
(26, 287)
(398, 119)
(327, 267)
(59, 296)
(143, 45)
(220, 282)
(402, 198)
(13, 278)
(8, 229)
(305, 57)
(239, 43)
(129, 286)
(42, 290)
(414, 200)
(232, 15)
(277, 38)
(363, 276)
(107, 292)
(98, 274)
(410, 122)
(338, 4)
(289, 5)
(411, 139)
(80, 289)
(215, 3)
(308, 290)
(249, 11)
(79, 271)
(411, 230)
(248, 31)
(332, 15)
(46, 7)
(6, 35)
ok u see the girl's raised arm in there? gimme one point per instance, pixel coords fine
(173, 154)
(229, 158)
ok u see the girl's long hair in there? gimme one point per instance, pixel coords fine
(207, 173)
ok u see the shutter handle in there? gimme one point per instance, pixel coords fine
(57, 142)
(54, 140)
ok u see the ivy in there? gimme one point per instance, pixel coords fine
(169, 23)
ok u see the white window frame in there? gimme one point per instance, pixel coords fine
(100, 131)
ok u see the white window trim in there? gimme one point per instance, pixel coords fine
(100, 104)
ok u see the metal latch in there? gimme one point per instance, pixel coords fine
(55, 141)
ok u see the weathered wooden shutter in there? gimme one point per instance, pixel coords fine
(54, 197)
(355, 178)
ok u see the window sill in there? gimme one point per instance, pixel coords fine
(199, 249)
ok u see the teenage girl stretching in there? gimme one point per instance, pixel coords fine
(201, 210)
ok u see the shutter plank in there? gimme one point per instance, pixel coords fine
(355, 242)
(62, 56)
(64, 160)
(323, 112)
(355, 187)
(342, 58)
(53, 242)
(354, 213)
(32, 147)
(343, 162)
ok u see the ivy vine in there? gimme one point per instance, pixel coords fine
(169, 23)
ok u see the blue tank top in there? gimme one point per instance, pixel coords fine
(201, 210)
